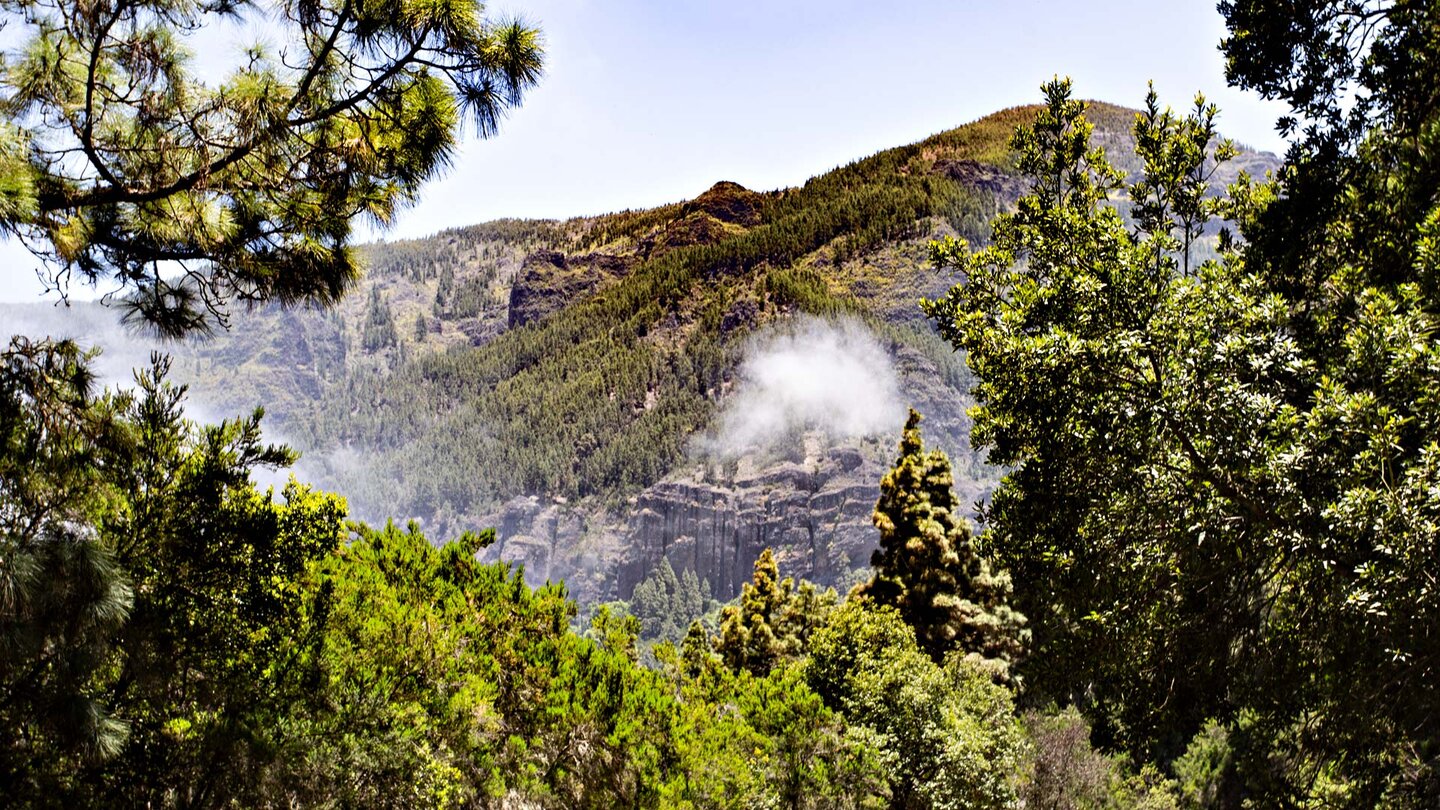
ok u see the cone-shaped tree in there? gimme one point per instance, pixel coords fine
(695, 653)
(929, 568)
(747, 635)
(773, 619)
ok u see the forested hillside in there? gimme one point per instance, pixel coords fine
(556, 380)
(1203, 575)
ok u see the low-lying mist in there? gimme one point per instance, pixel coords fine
(92, 326)
(830, 376)
(124, 351)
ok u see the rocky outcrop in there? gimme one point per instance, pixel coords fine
(1006, 187)
(478, 331)
(810, 502)
(557, 541)
(549, 280)
(728, 202)
(815, 515)
(696, 229)
(744, 313)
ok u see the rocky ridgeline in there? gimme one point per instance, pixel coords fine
(815, 514)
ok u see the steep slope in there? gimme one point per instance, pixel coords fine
(570, 382)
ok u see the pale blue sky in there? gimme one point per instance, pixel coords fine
(652, 101)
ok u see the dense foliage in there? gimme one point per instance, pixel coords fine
(929, 568)
(772, 620)
(152, 596)
(175, 637)
(1220, 509)
(245, 651)
(1224, 471)
(123, 167)
(949, 734)
(667, 605)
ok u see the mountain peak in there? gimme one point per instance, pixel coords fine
(728, 202)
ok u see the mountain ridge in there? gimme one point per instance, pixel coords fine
(554, 378)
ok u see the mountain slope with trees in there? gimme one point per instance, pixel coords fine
(1217, 514)
(543, 377)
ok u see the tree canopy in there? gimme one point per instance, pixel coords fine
(929, 568)
(1223, 472)
(122, 166)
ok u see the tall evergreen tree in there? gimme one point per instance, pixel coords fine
(62, 597)
(378, 331)
(772, 620)
(119, 164)
(929, 567)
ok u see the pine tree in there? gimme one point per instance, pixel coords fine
(695, 652)
(379, 330)
(258, 177)
(689, 601)
(929, 568)
(773, 619)
(666, 604)
(61, 595)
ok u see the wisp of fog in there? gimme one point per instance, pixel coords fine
(809, 375)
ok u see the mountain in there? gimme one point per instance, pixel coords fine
(695, 382)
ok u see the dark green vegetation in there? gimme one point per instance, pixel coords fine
(929, 568)
(771, 621)
(1224, 485)
(579, 360)
(1219, 518)
(176, 638)
(121, 166)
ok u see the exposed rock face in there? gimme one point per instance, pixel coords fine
(816, 516)
(729, 202)
(810, 502)
(1005, 186)
(479, 331)
(697, 229)
(742, 314)
(549, 280)
(556, 541)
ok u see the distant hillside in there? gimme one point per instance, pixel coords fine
(568, 382)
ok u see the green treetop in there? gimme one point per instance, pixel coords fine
(121, 166)
(772, 620)
(1224, 475)
(929, 568)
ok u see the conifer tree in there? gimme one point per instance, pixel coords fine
(61, 595)
(379, 330)
(695, 652)
(689, 600)
(747, 637)
(665, 603)
(773, 619)
(119, 164)
(929, 568)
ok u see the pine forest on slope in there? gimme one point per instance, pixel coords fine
(558, 380)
